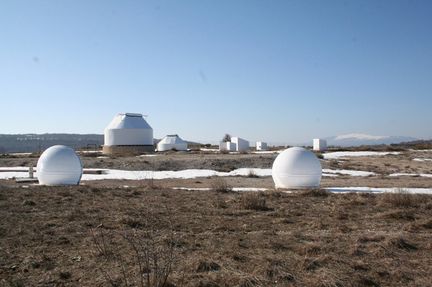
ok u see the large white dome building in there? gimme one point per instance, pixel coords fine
(128, 133)
(296, 168)
(172, 142)
(59, 165)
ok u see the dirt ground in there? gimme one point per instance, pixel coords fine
(107, 233)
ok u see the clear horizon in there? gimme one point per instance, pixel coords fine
(280, 71)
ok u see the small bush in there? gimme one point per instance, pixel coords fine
(208, 267)
(402, 243)
(220, 185)
(401, 199)
(315, 192)
(252, 174)
(254, 201)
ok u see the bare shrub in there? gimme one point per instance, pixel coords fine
(220, 185)
(220, 203)
(254, 201)
(135, 257)
(316, 192)
(252, 174)
(401, 198)
(205, 266)
(401, 243)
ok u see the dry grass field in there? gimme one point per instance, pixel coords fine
(141, 233)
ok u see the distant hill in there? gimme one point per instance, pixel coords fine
(364, 139)
(40, 142)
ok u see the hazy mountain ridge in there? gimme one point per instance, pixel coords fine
(357, 139)
(10, 143)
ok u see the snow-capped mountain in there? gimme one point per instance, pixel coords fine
(357, 139)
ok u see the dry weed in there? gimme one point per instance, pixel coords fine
(254, 201)
(220, 185)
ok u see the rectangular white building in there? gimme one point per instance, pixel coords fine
(319, 145)
(261, 146)
(241, 145)
(227, 146)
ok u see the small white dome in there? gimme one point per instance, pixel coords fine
(59, 165)
(296, 167)
(171, 142)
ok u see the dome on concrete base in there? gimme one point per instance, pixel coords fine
(59, 165)
(172, 142)
(128, 129)
(296, 168)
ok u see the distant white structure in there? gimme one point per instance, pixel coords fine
(227, 146)
(261, 146)
(241, 145)
(319, 145)
(128, 133)
(296, 168)
(172, 142)
(59, 165)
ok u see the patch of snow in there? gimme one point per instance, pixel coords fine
(147, 155)
(411, 174)
(422, 159)
(181, 174)
(238, 189)
(329, 175)
(246, 189)
(13, 168)
(380, 190)
(209, 149)
(103, 156)
(9, 172)
(192, 188)
(339, 154)
(348, 172)
(261, 172)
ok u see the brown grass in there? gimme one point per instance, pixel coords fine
(332, 240)
(401, 199)
(254, 201)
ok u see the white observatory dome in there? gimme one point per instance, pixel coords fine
(59, 165)
(128, 129)
(296, 167)
(172, 142)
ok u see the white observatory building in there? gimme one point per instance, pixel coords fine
(296, 168)
(59, 165)
(319, 145)
(261, 146)
(128, 133)
(172, 142)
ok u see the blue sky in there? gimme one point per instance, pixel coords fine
(278, 71)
